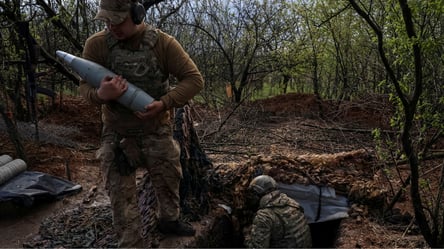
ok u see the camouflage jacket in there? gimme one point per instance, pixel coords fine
(279, 223)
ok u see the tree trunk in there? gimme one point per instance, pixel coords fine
(13, 134)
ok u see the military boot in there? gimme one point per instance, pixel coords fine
(176, 227)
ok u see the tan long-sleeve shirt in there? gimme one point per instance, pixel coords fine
(172, 59)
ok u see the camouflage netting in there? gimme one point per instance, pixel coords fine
(82, 227)
(339, 170)
(92, 227)
(194, 199)
(147, 207)
(205, 185)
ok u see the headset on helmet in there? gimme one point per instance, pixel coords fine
(263, 184)
(137, 12)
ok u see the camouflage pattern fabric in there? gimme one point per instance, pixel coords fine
(139, 66)
(115, 5)
(161, 152)
(172, 59)
(279, 223)
(155, 151)
(114, 11)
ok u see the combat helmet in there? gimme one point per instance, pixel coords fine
(262, 185)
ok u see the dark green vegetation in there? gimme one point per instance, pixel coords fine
(339, 50)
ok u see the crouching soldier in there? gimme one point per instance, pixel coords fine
(279, 221)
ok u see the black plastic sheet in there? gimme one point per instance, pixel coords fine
(31, 186)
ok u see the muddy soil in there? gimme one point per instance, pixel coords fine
(292, 124)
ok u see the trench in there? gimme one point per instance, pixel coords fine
(320, 204)
(224, 234)
(324, 234)
(73, 229)
(323, 209)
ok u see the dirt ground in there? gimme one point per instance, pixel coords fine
(292, 124)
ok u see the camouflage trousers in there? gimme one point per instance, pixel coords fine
(161, 153)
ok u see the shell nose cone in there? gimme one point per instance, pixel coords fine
(60, 53)
(65, 56)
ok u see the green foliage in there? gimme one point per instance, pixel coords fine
(316, 46)
(376, 133)
(411, 45)
(270, 89)
(387, 149)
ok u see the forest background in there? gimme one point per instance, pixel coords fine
(335, 49)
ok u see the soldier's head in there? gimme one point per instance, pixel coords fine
(115, 12)
(259, 186)
(122, 17)
(262, 185)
